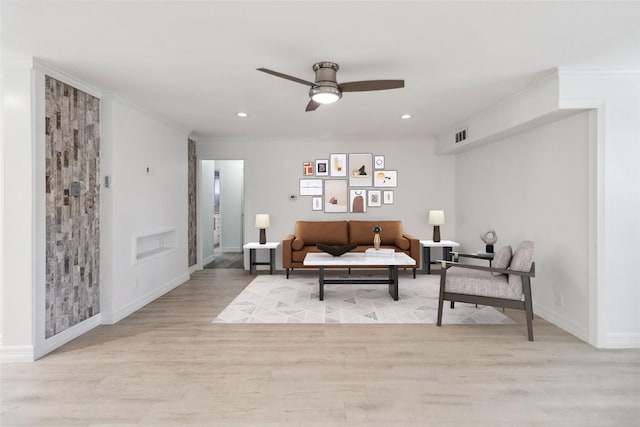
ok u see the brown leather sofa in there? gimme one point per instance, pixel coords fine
(308, 233)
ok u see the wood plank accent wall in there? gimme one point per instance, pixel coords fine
(192, 183)
(72, 145)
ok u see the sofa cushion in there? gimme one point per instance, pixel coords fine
(361, 232)
(521, 261)
(297, 243)
(327, 232)
(502, 259)
(473, 282)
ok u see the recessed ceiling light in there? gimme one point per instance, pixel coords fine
(241, 114)
(405, 116)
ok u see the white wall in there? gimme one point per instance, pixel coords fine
(206, 209)
(231, 204)
(613, 97)
(18, 141)
(273, 169)
(24, 281)
(616, 95)
(535, 186)
(534, 105)
(139, 203)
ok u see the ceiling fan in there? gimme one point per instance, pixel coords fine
(326, 88)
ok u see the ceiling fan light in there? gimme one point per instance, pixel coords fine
(325, 94)
(325, 98)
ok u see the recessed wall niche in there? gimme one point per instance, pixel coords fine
(72, 187)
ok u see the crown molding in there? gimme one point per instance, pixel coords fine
(124, 100)
(598, 71)
(67, 78)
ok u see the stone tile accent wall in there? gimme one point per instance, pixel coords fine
(72, 145)
(192, 183)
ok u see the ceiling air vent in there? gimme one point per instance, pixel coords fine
(461, 135)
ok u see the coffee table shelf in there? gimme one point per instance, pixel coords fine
(359, 260)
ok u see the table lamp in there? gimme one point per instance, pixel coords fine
(262, 222)
(436, 218)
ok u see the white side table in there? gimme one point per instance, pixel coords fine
(446, 246)
(272, 246)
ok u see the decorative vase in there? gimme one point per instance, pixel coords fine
(376, 241)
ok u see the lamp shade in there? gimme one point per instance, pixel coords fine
(262, 221)
(436, 217)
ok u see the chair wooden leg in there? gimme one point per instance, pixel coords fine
(528, 306)
(287, 273)
(452, 305)
(443, 280)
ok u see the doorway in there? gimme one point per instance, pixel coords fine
(222, 213)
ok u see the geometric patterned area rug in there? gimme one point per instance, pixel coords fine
(275, 299)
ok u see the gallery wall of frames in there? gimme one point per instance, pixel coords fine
(351, 182)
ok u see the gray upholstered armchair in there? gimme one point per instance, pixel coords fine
(507, 283)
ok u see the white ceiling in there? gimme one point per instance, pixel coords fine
(195, 62)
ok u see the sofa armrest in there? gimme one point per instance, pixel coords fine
(286, 251)
(414, 249)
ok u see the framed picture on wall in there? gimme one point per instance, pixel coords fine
(338, 164)
(307, 168)
(387, 197)
(335, 195)
(310, 187)
(385, 178)
(378, 162)
(322, 167)
(316, 203)
(360, 170)
(375, 198)
(358, 201)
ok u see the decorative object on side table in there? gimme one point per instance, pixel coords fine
(436, 218)
(489, 238)
(263, 222)
(376, 237)
(336, 250)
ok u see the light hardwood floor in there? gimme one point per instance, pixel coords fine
(167, 364)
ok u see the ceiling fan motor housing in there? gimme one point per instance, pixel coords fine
(326, 83)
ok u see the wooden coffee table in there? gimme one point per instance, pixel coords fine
(360, 260)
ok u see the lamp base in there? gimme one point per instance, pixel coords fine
(263, 236)
(436, 233)
(488, 249)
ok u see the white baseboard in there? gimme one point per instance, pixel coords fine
(137, 304)
(562, 322)
(65, 336)
(194, 268)
(208, 259)
(235, 249)
(621, 340)
(16, 354)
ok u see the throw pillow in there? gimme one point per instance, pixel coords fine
(522, 257)
(403, 243)
(297, 244)
(521, 261)
(502, 259)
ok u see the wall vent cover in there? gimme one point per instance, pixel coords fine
(461, 135)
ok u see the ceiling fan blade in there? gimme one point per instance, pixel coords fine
(285, 76)
(366, 85)
(312, 105)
